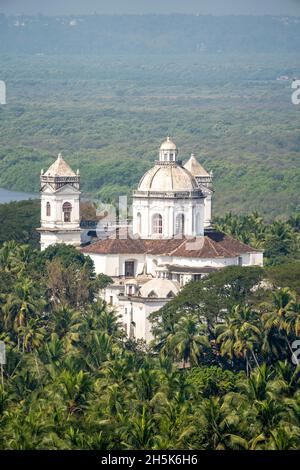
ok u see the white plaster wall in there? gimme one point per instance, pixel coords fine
(114, 265)
(100, 262)
(139, 260)
(114, 293)
(193, 209)
(257, 259)
(201, 262)
(56, 200)
(140, 315)
(69, 238)
(207, 211)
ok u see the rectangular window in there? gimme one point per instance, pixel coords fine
(111, 300)
(129, 268)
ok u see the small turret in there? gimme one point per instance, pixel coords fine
(204, 181)
(199, 173)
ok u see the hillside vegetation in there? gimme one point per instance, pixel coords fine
(109, 112)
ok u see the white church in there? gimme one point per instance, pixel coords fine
(170, 241)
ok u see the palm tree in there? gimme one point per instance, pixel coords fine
(236, 442)
(189, 341)
(109, 323)
(147, 383)
(240, 335)
(281, 317)
(257, 400)
(32, 335)
(21, 305)
(75, 388)
(97, 350)
(137, 432)
(163, 328)
(66, 323)
(279, 240)
(283, 439)
(287, 379)
(216, 421)
(175, 426)
(293, 410)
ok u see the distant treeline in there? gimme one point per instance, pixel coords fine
(155, 34)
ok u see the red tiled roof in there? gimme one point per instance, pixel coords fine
(212, 245)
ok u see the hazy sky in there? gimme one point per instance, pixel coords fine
(216, 7)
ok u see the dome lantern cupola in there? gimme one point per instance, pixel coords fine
(168, 151)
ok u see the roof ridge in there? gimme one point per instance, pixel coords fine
(177, 247)
(152, 177)
(212, 245)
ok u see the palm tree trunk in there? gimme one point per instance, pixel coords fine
(247, 365)
(254, 357)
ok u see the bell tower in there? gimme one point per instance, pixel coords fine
(60, 205)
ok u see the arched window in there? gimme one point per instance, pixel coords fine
(179, 226)
(139, 222)
(67, 209)
(157, 223)
(48, 209)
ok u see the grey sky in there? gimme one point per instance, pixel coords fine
(215, 7)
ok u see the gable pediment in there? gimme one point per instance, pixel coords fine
(66, 189)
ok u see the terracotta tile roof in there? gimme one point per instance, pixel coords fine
(212, 245)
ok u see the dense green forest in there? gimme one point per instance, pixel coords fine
(219, 374)
(109, 116)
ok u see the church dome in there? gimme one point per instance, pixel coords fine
(159, 288)
(168, 145)
(167, 178)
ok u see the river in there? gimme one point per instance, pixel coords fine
(9, 196)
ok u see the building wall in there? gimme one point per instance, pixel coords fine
(114, 265)
(139, 312)
(207, 211)
(169, 209)
(69, 238)
(66, 232)
(56, 200)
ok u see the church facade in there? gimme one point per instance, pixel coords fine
(170, 241)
